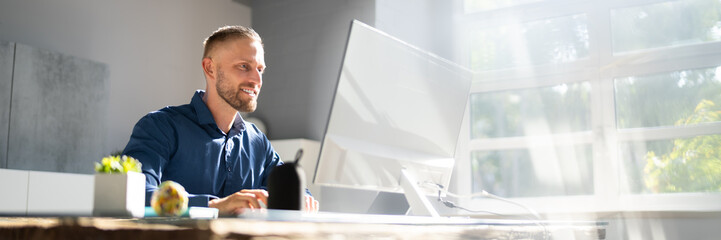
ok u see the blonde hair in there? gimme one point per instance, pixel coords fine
(228, 33)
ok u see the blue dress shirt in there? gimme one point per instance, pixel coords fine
(183, 144)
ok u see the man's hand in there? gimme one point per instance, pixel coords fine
(236, 202)
(253, 199)
(311, 205)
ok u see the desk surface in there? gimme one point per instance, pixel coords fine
(235, 228)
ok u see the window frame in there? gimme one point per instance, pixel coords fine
(600, 68)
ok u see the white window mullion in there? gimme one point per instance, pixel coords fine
(566, 139)
(646, 134)
(691, 202)
(534, 77)
(605, 157)
(707, 55)
(606, 161)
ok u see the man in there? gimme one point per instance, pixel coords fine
(221, 160)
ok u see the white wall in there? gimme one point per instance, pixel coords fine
(153, 48)
(427, 25)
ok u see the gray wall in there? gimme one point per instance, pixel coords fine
(153, 48)
(7, 53)
(304, 43)
(57, 112)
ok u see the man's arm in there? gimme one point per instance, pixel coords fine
(152, 143)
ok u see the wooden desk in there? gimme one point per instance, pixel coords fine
(233, 228)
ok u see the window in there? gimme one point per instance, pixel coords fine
(671, 100)
(665, 24)
(565, 39)
(668, 99)
(601, 105)
(560, 170)
(561, 108)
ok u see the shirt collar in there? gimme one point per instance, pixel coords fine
(205, 117)
(202, 111)
(238, 123)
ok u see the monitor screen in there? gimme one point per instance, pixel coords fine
(395, 107)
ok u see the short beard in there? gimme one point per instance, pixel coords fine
(231, 95)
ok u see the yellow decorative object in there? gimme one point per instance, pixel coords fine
(170, 200)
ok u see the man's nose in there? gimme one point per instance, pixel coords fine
(256, 77)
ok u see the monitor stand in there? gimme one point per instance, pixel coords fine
(419, 204)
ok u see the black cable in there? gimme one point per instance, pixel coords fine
(487, 195)
(449, 204)
(453, 205)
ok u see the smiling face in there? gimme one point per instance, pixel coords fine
(239, 66)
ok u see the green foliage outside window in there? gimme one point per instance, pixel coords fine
(694, 164)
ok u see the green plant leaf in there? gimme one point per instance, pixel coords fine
(118, 164)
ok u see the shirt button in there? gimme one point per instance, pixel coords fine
(228, 169)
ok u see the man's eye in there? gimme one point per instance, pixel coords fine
(243, 66)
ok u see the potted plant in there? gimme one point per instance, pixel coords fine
(119, 187)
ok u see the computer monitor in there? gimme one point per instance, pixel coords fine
(395, 118)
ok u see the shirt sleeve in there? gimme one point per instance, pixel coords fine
(272, 158)
(271, 161)
(153, 142)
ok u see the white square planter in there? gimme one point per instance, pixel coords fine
(119, 195)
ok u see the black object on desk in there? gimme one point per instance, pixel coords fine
(285, 186)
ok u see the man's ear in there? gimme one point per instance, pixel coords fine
(208, 67)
